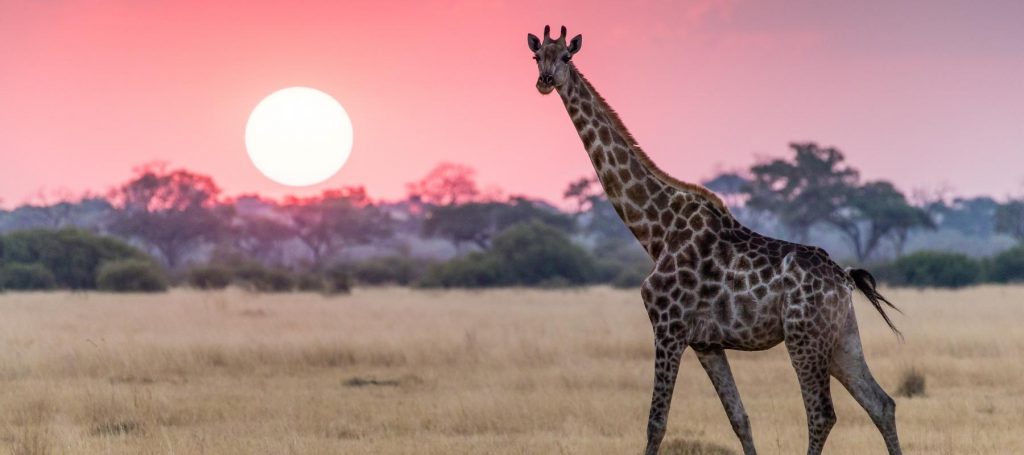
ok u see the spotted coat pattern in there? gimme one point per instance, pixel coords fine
(716, 284)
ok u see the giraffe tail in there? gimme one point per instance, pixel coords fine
(866, 283)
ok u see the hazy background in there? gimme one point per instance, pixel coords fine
(926, 94)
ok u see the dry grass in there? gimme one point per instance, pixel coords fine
(508, 371)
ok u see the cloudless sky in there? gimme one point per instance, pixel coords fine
(924, 93)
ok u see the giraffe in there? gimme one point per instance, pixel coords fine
(716, 284)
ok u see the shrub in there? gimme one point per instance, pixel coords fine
(209, 276)
(526, 254)
(932, 268)
(1007, 266)
(471, 271)
(398, 270)
(131, 275)
(26, 277)
(256, 277)
(535, 252)
(73, 256)
(912, 384)
(337, 280)
(631, 277)
(310, 282)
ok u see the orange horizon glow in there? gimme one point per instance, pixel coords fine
(925, 94)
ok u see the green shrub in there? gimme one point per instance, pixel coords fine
(1008, 266)
(630, 277)
(931, 269)
(529, 254)
(471, 271)
(398, 270)
(73, 256)
(210, 276)
(26, 277)
(310, 282)
(337, 280)
(256, 277)
(131, 275)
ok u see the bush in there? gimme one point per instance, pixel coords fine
(256, 277)
(398, 270)
(932, 268)
(523, 255)
(26, 277)
(471, 271)
(209, 276)
(73, 256)
(337, 280)
(131, 275)
(1007, 266)
(631, 277)
(310, 282)
(912, 384)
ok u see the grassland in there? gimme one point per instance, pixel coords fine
(506, 371)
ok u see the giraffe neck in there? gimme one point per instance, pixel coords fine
(633, 182)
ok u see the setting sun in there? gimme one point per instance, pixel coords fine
(298, 136)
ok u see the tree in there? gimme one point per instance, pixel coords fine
(581, 192)
(877, 211)
(446, 184)
(171, 211)
(1009, 219)
(335, 219)
(729, 186)
(478, 222)
(802, 192)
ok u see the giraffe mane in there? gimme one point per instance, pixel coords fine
(644, 158)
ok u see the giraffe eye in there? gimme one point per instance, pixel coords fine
(566, 58)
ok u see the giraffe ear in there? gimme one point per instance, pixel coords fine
(575, 44)
(533, 42)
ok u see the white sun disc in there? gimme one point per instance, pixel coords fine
(298, 136)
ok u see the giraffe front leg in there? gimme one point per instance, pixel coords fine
(667, 354)
(716, 365)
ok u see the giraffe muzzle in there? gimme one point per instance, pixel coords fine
(546, 83)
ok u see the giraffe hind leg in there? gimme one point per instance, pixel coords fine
(716, 365)
(849, 367)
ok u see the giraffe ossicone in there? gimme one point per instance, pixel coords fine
(716, 284)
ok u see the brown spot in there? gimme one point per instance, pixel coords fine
(723, 312)
(697, 222)
(605, 135)
(638, 194)
(625, 175)
(686, 279)
(587, 109)
(620, 155)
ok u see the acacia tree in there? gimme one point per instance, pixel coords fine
(446, 184)
(877, 211)
(337, 218)
(802, 192)
(817, 187)
(171, 211)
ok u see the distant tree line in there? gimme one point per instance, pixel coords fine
(173, 226)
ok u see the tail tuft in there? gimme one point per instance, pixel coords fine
(866, 283)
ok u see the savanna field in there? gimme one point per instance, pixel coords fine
(513, 371)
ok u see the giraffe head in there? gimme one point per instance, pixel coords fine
(552, 56)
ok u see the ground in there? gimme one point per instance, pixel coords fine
(512, 371)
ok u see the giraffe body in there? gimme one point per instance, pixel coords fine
(717, 285)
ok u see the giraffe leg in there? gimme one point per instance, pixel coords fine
(811, 358)
(716, 365)
(849, 367)
(666, 366)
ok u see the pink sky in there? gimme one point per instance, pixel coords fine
(927, 93)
